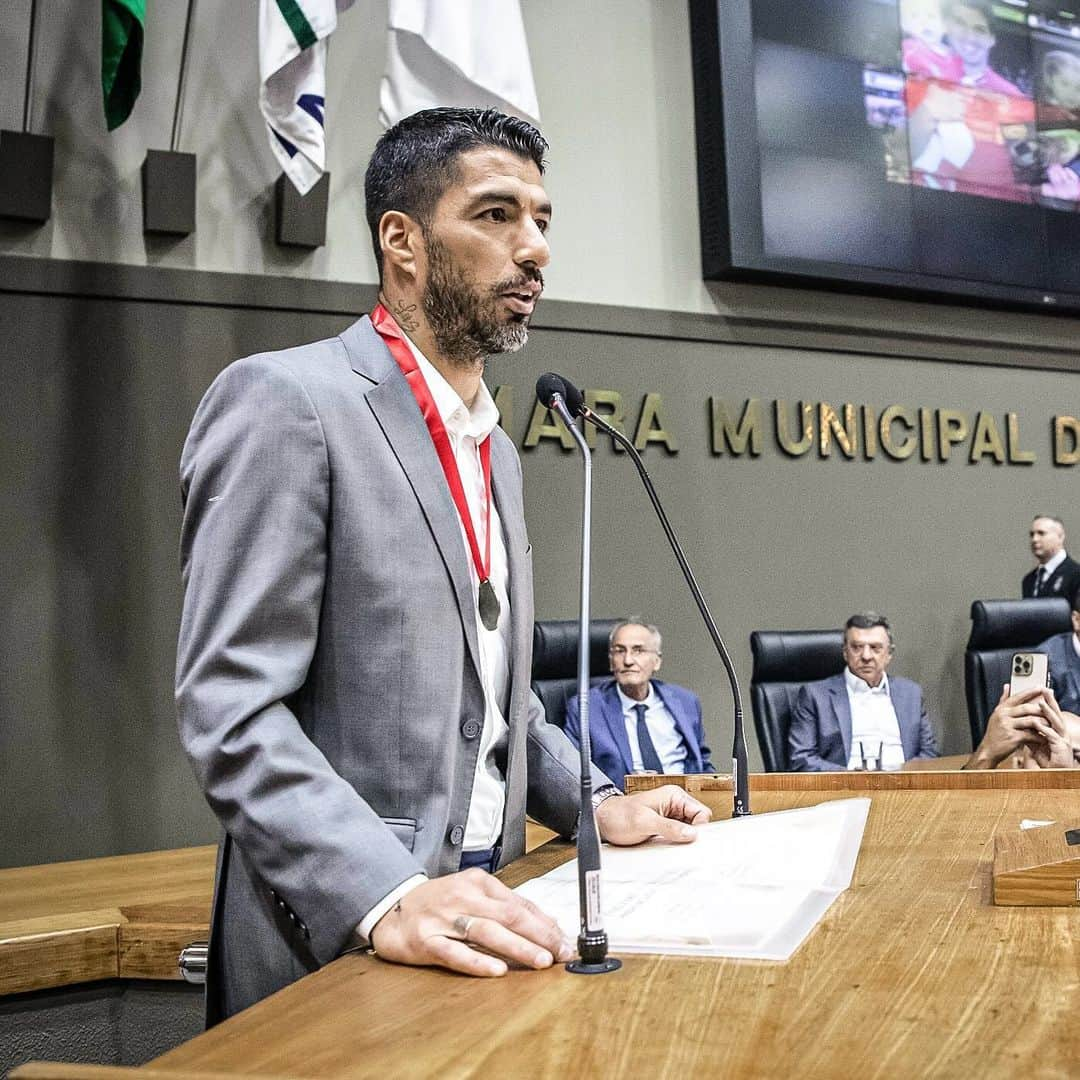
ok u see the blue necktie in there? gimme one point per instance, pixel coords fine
(1040, 581)
(650, 759)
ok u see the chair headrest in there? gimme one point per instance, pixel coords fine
(796, 655)
(1017, 624)
(555, 647)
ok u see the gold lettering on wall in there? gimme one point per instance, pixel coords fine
(869, 425)
(903, 449)
(652, 427)
(986, 440)
(926, 428)
(830, 427)
(609, 405)
(738, 429)
(794, 447)
(952, 428)
(1066, 440)
(546, 425)
(1016, 455)
(737, 437)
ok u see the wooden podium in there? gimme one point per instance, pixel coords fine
(913, 972)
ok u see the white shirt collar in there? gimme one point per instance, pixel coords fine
(458, 419)
(855, 685)
(628, 702)
(1052, 564)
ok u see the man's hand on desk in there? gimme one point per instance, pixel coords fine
(667, 812)
(436, 923)
(1029, 720)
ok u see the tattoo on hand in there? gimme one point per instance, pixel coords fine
(405, 314)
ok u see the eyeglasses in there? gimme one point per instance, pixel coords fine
(635, 651)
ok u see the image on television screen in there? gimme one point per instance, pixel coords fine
(931, 145)
(984, 100)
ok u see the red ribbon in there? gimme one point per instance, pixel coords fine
(395, 341)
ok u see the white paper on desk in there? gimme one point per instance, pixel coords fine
(753, 887)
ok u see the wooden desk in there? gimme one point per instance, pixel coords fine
(912, 972)
(122, 917)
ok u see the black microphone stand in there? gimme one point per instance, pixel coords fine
(592, 940)
(739, 773)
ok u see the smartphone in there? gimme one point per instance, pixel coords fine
(1030, 671)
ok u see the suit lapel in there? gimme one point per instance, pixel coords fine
(507, 495)
(906, 718)
(842, 712)
(397, 414)
(611, 708)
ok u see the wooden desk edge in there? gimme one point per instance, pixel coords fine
(914, 780)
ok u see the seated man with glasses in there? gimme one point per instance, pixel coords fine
(860, 719)
(638, 723)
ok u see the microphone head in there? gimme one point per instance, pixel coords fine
(575, 400)
(547, 386)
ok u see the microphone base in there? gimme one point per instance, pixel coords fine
(602, 967)
(742, 813)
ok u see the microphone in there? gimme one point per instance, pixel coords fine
(740, 780)
(592, 940)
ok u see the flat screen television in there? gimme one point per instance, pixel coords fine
(910, 146)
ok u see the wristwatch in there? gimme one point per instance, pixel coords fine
(607, 791)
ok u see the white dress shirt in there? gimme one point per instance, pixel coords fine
(873, 723)
(1048, 568)
(670, 748)
(466, 429)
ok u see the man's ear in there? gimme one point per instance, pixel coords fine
(401, 241)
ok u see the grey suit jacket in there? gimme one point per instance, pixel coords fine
(819, 739)
(327, 668)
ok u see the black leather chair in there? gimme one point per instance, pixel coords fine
(783, 661)
(998, 629)
(554, 662)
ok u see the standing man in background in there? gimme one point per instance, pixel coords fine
(354, 657)
(1056, 574)
(638, 723)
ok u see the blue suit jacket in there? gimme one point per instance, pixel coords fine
(819, 739)
(1064, 670)
(607, 729)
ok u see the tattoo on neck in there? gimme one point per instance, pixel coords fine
(405, 314)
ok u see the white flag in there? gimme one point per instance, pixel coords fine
(468, 52)
(292, 76)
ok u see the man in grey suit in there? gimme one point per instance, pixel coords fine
(354, 656)
(860, 718)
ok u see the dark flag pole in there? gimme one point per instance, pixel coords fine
(168, 176)
(26, 160)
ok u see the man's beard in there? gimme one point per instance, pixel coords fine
(464, 317)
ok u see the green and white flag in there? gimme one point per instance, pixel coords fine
(292, 74)
(122, 23)
(465, 52)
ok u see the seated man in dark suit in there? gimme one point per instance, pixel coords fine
(1063, 651)
(638, 723)
(1056, 574)
(860, 718)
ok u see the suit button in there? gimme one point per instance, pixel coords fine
(470, 729)
(457, 834)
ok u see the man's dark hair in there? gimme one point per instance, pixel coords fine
(1076, 600)
(416, 160)
(867, 620)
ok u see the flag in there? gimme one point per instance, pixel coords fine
(292, 76)
(121, 57)
(469, 52)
